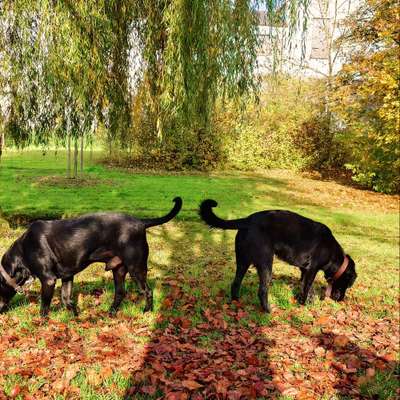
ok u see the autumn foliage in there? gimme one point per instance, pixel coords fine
(367, 95)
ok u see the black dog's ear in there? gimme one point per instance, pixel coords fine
(22, 273)
(25, 273)
(352, 264)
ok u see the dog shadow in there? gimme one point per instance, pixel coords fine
(317, 289)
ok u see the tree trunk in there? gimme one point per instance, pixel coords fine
(2, 144)
(91, 152)
(69, 156)
(82, 154)
(75, 157)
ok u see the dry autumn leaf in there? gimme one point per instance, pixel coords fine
(341, 340)
(15, 391)
(370, 372)
(106, 372)
(322, 320)
(70, 373)
(93, 377)
(191, 385)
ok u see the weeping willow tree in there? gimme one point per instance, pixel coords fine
(193, 55)
(51, 74)
(150, 72)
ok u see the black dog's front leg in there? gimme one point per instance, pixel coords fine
(48, 285)
(303, 274)
(66, 295)
(119, 287)
(307, 280)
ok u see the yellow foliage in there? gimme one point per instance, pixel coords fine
(367, 94)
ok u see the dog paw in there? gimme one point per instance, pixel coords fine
(75, 311)
(266, 308)
(112, 312)
(300, 299)
(44, 315)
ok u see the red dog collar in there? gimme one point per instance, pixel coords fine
(338, 274)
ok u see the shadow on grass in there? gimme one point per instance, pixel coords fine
(205, 347)
(200, 347)
(360, 372)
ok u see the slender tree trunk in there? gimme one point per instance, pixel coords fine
(91, 151)
(82, 154)
(75, 157)
(69, 156)
(2, 144)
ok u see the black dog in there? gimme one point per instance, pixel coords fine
(297, 240)
(51, 250)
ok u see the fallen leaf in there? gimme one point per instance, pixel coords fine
(93, 377)
(370, 372)
(191, 385)
(106, 372)
(151, 390)
(70, 373)
(319, 351)
(176, 396)
(290, 391)
(341, 340)
(15, 391)
(221, 386)
(185, 323)
(167, 303)
(322, 320)
(381, 365)
(361, 380)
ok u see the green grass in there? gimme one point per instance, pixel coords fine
(201, 261)
(384, 385)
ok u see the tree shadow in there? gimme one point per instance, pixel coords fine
(354, 366)
(201, 346)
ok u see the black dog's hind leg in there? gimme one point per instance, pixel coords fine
(119, 274)
(307, 280)
(136, 263)
(242, 264)
(48, 285)
(264, 270)
(241, 269)
(66, 295)
(141, 278)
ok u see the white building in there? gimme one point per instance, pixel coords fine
(311, 51)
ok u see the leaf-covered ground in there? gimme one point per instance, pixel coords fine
(196, 344)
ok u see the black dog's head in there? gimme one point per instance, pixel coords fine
(16, 269)
(345, 281)
(6, 294)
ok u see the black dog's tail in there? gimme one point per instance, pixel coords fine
(212, 220)
(149, 222)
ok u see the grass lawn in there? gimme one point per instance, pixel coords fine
(196, 344)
